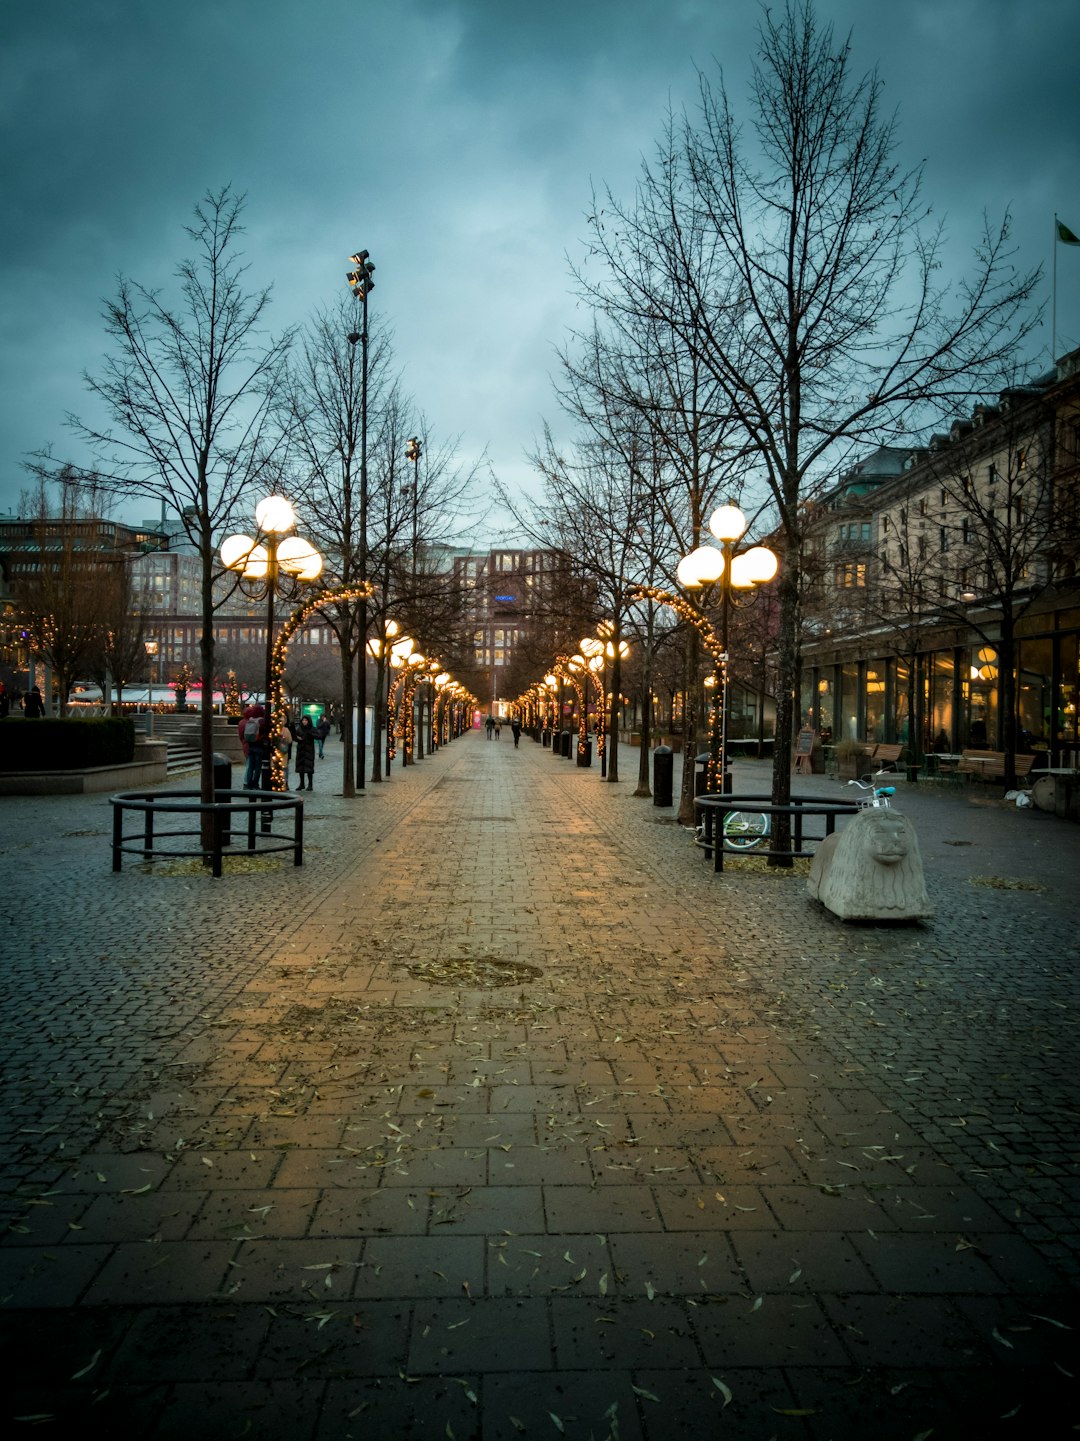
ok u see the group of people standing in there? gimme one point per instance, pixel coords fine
(298, 743)
(493, 724)
(31, 702)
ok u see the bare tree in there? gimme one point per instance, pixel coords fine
(189, 388)
(406, 507)
(62, 601)
(804, 257)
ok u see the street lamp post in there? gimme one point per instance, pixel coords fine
(361, 285)
(264, 558)
(732, 570)
(153, 653)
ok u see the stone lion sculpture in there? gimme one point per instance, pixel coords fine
(871, 870)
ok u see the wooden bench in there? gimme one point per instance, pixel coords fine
(884, 757)
(990, 765)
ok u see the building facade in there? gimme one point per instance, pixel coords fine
(942, 604)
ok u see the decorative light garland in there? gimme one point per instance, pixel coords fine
(362, 590)
(691, 614)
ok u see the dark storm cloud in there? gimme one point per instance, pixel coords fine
(458, 142)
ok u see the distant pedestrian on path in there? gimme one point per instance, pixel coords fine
(515, 727)
(498, 727)
(33, 706)
(490, 725)
(304, 759)
(322, 730)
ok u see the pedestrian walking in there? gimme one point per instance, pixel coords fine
(498, 727)
(322, 730)
(490, 725)
(254, 737)
(285, 744)
(515, 727)
(32, 704)
(305, 752)
(5, 702)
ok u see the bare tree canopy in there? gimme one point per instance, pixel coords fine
(189, 389)
(796, 257)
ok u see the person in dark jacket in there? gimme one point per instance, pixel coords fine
(322, 730)
(254, 735)
(33, 705)
(304, 757)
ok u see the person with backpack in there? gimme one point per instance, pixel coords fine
(254, 735)
(515, 727)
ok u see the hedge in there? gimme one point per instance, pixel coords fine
(51, 744)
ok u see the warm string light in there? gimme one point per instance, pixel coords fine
(363, 590)
(712, 643)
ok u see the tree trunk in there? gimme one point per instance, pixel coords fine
(686, 797)
(788, 671)
(348, 705)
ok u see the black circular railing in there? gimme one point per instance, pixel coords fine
(715, 810)
(157, 839)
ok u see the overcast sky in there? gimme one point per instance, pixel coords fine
(458, 141)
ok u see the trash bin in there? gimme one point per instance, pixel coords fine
(662, 775)
(223, 782)
(584, 753)
(564, 744)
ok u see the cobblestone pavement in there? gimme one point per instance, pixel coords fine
(505, 1117)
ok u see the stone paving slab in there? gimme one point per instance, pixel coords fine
(504, 1116)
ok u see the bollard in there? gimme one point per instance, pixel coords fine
(663, 775)
(546, 737)
(223, 782)
(565, 738)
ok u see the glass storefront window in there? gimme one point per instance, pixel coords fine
(980, 729)
(902, 701)
(1066, 721)
(1034, 694)
(942, 677)
(848, 728)
(875, 701)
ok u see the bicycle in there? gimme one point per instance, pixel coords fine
(873, 797)
(743, 830)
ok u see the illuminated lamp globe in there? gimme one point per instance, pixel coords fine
(442, 679)
(402, 649)
(988, 655)
(701, 566)
(275, 515)
(257, 564)
(742, 574)
(552, 682)
(235, 551)
(295, 555)
(727, 522)
(590, 646)
(761, 563)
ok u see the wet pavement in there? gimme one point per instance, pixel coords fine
(503, 1116)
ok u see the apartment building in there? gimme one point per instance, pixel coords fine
(942, 602)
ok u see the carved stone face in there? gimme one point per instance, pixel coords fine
(888, 839)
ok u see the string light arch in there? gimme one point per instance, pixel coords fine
(362, 590)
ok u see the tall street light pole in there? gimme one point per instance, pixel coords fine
(361, 284)
(263, 559)
(732, 570)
